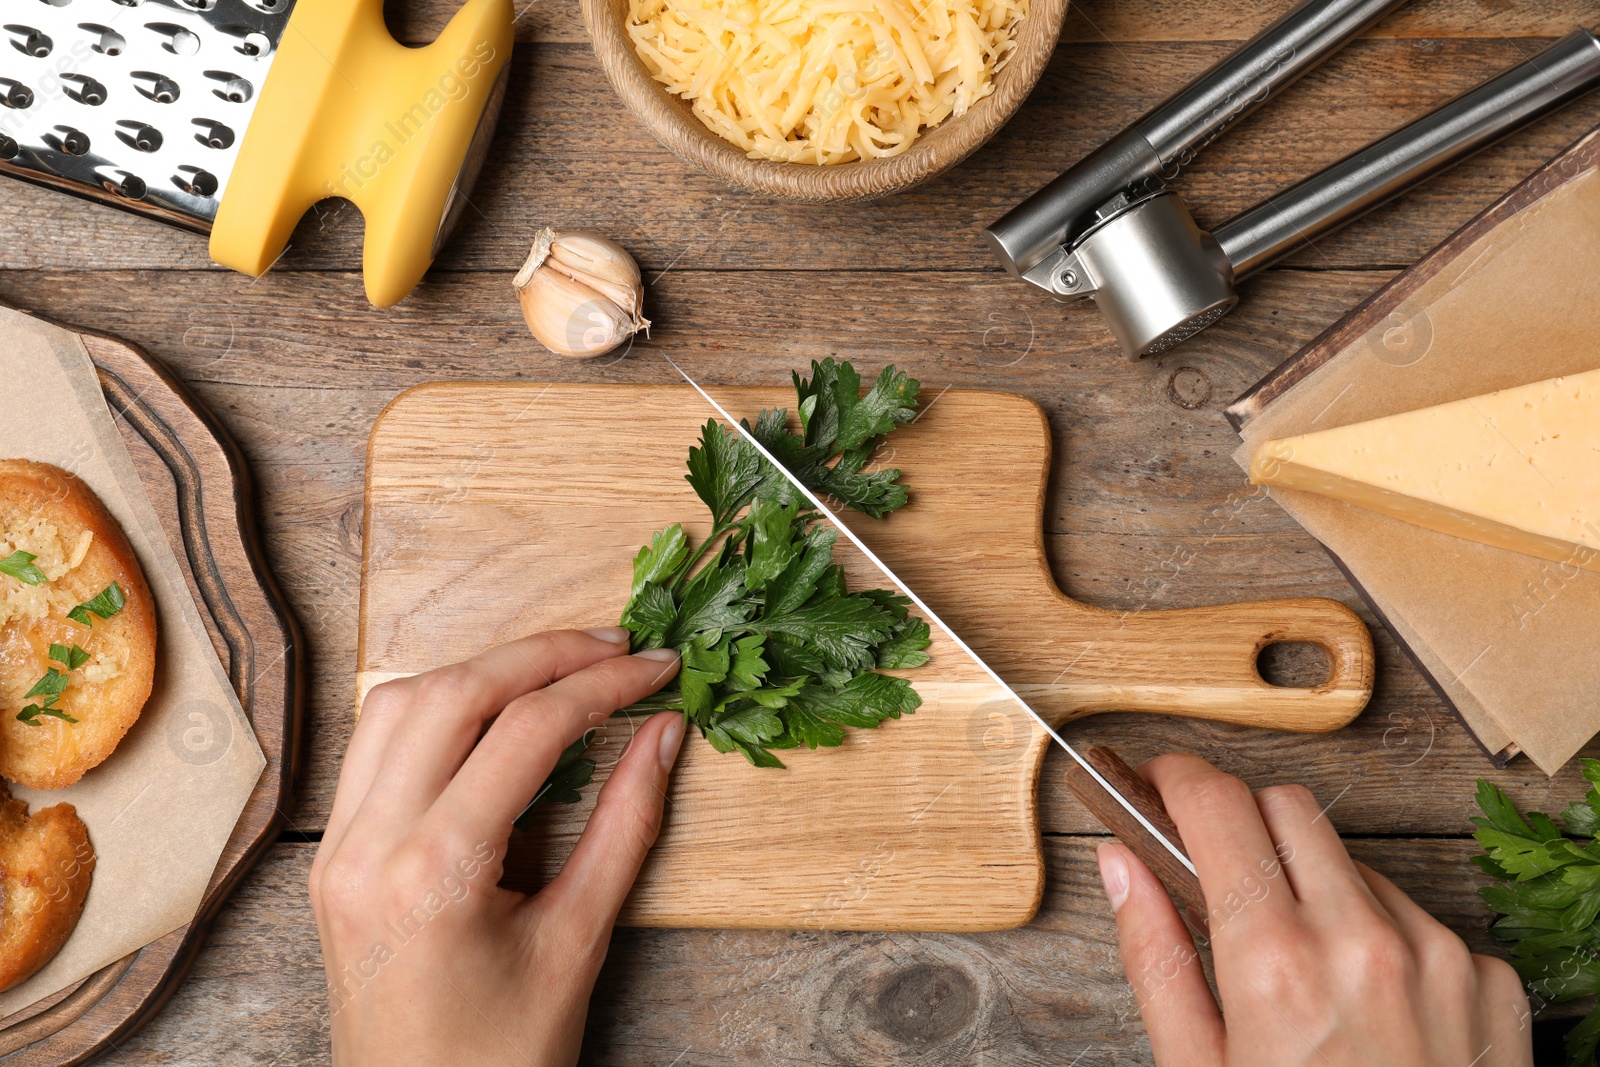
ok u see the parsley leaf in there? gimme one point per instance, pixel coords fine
(107, 603)
(1547, 894)
(840, 430)
(53, 684)
(712, 601)
(660, 558)
(50, 687)
(725, 472)
(31, 713)
(572, 772)
(844, 630)
(904, 649)
(892, 400)
(19, 565)
(71, 657)
(773, 544)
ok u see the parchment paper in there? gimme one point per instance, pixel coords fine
(1514, 641)
(161, 808)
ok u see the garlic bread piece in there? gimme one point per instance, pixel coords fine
(77, 628)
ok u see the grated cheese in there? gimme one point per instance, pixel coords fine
(825, 81)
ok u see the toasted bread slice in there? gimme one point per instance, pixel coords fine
(46, 863)
(80, 551)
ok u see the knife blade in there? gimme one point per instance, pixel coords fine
(1099, 768)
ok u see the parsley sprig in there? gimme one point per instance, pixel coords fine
(572, 772)
(777, 652)
(20, 566)
(105, 604)
(52, 685)
(1547, 893)
(48, 689)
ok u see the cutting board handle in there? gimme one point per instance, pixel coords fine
(1202, 663)
(1179, 880)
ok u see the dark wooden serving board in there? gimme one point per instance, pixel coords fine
(198, 482)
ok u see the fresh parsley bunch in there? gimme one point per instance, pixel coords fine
(777, 652)
(1548, 897)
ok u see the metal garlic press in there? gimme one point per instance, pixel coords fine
(1109, 229)
(234, 117)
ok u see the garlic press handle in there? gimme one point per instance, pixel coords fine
(347, 111)
(1168, 137)
(1384, 169)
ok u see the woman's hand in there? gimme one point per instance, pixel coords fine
(428, 960)
(1320, 961)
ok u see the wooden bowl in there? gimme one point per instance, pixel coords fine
(674, 124)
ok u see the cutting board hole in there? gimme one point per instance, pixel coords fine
(1293, 665)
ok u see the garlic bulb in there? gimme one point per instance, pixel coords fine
(581, 294)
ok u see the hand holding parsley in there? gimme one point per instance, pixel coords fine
(429, 960)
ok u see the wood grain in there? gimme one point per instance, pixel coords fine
(1049, 993)
(568, 152)
(202, 490)
(521, 507)
(1143, 510)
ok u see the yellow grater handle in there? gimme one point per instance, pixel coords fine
(348, 111)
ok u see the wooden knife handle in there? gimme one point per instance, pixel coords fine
(1184, 886)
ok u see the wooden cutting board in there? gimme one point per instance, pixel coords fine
(496, 510)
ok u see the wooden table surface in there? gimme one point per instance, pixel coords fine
(1146, 509)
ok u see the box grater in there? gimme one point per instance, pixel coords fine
(234, 117)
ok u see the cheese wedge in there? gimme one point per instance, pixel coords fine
(1518, 469)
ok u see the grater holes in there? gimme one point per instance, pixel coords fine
(30, 42)
(251, 43)
(8, 147)
(235, 90)
(271, 7)
(124, 3)
(84, 89)
(213, 134)
(198, 5)
(108, 41)
(179, 41)
(14, 94)
(157, 87)
(63, 3)
(140, 136)
(67, 140)
(124, 184)
(196, 182)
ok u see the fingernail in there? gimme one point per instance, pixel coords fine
(671, 740)
(1113, 875)
(661, 654)
(615, 635)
